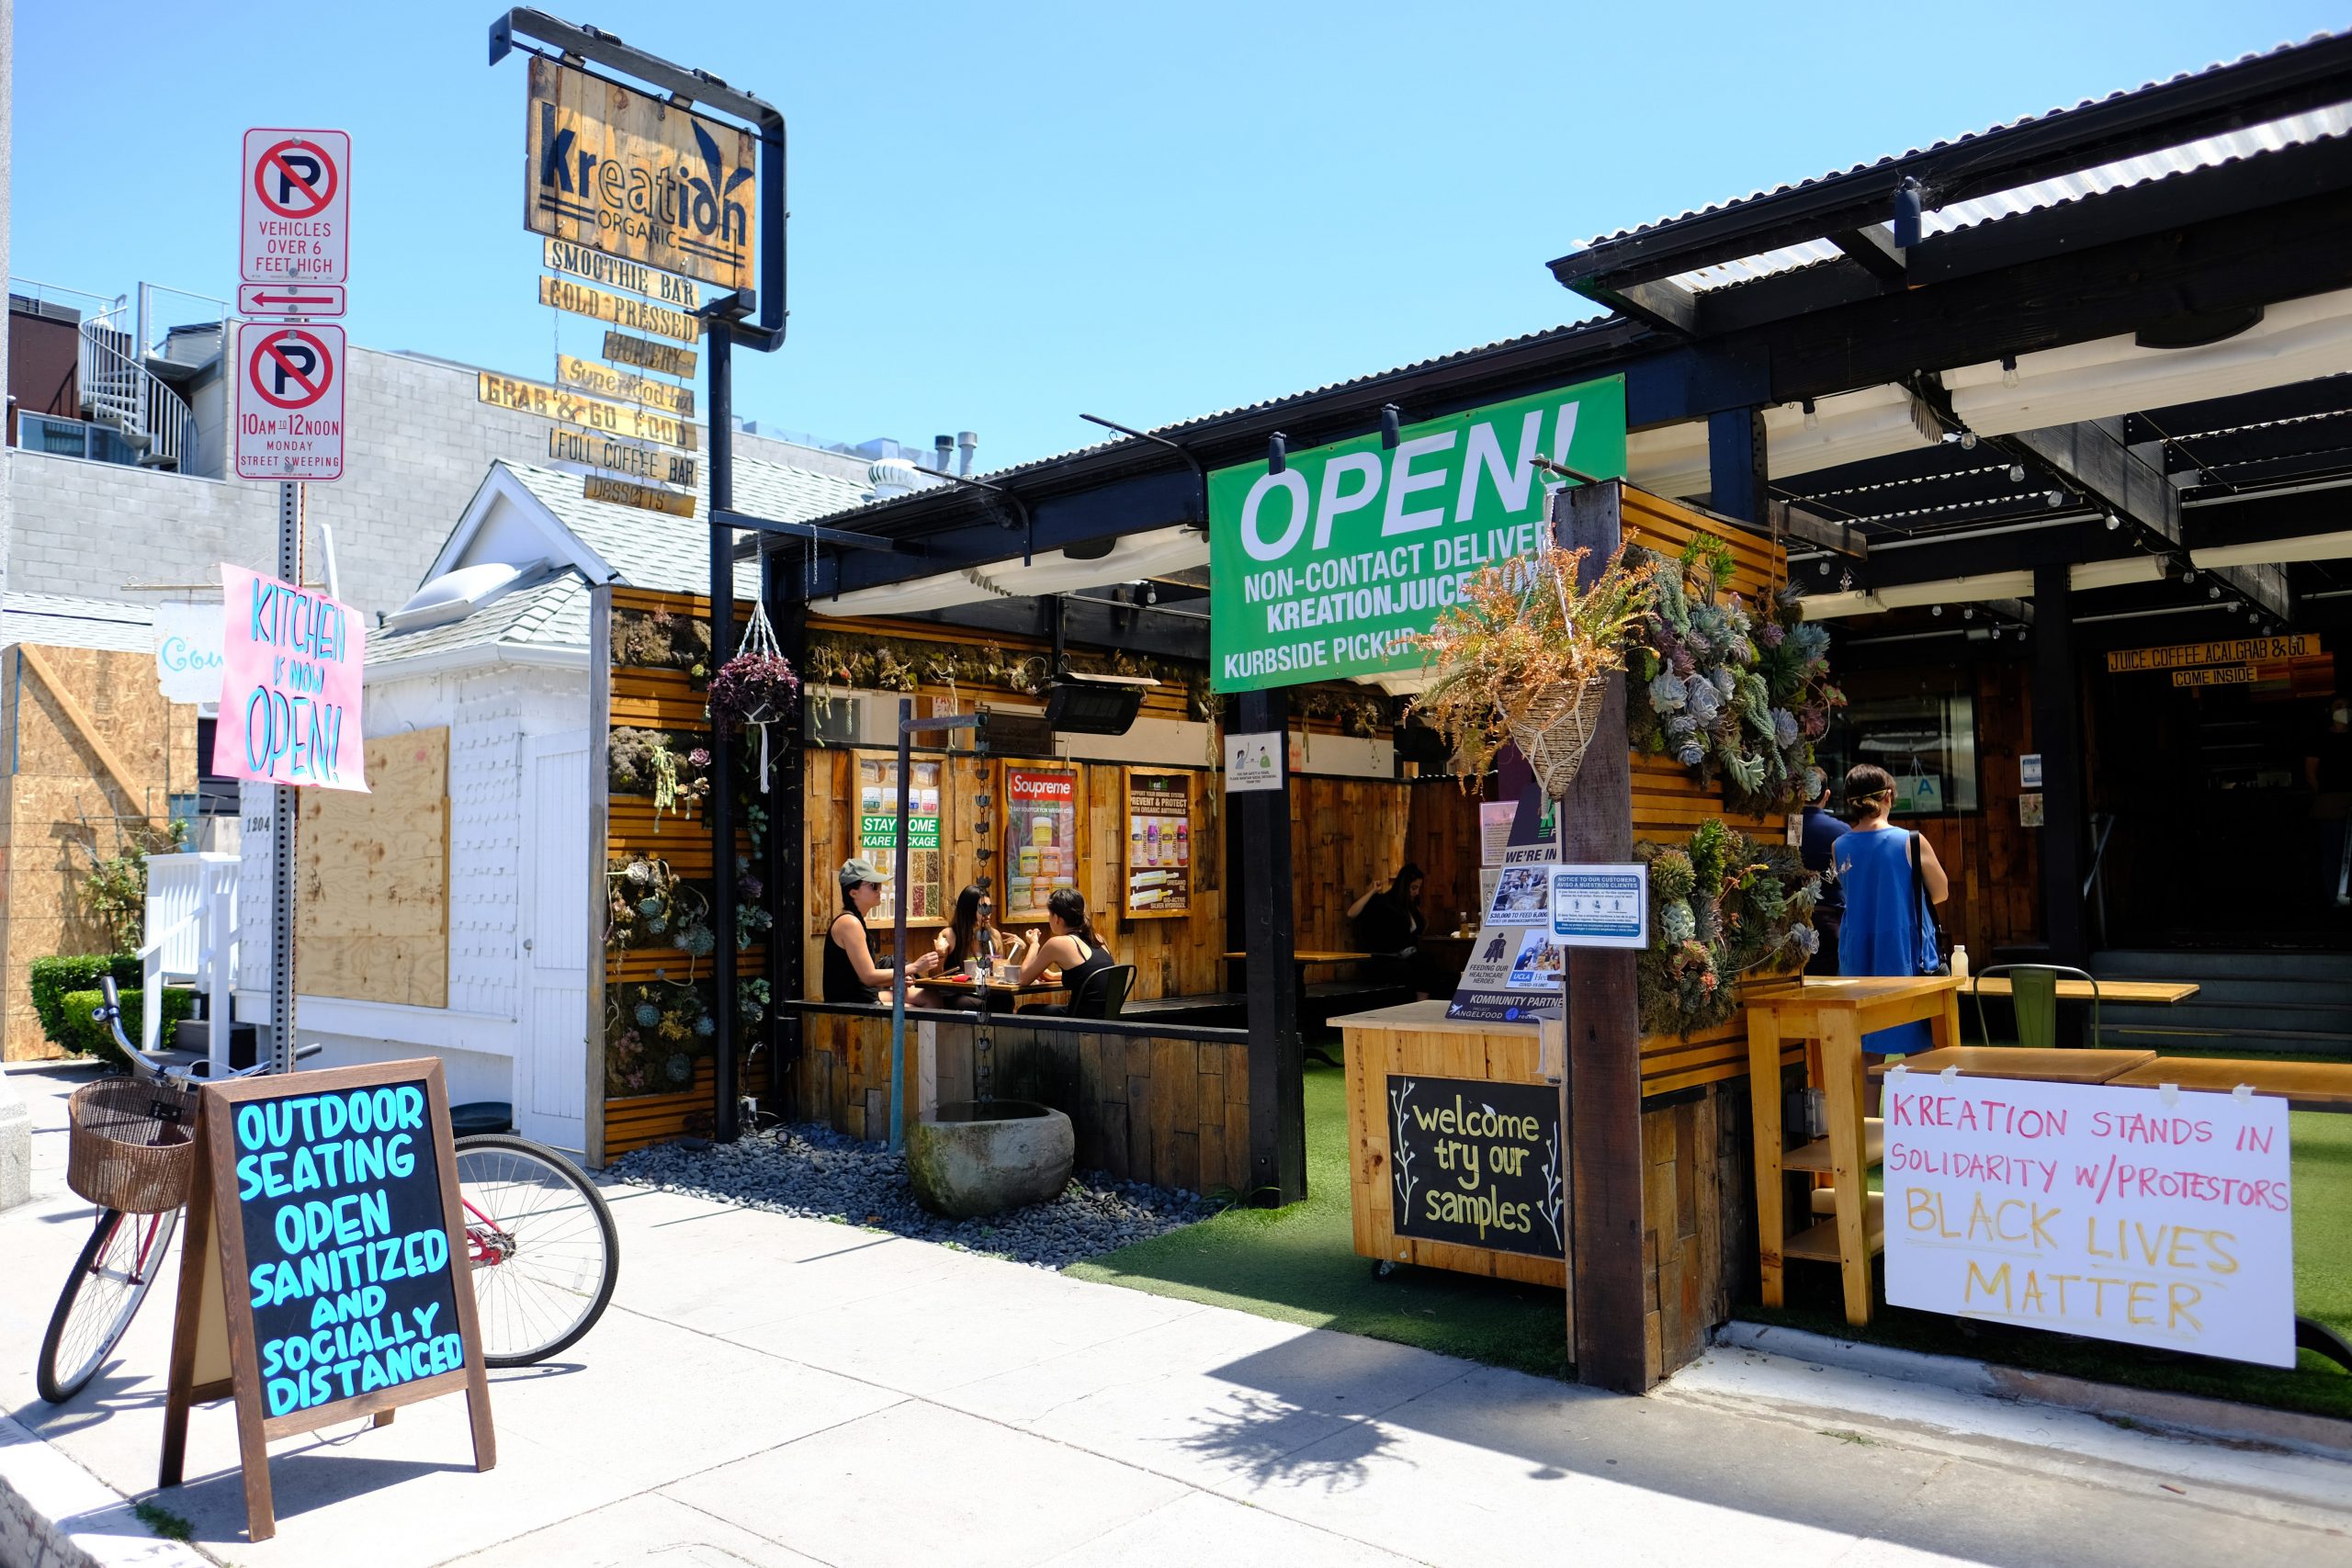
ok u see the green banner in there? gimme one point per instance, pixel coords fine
(880, 830)
(1320, 572)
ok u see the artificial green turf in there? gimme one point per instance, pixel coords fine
(1298, 1265)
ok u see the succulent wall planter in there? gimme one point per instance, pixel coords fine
(1722, 907)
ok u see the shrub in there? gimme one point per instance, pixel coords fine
(87, 1037)
(53, 978)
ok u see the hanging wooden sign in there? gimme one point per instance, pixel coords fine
(330, 1199)
(645, 498)
(620, 310)
(624, 386)
(663, 358)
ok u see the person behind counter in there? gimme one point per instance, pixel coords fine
(1072, 947)
(970, 932)
(1818, 851)
(851, 973)
(1887, 928)
(1387, 921)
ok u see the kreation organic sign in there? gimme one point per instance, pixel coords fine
(2152, 1217)
(289, 696)
(634, 176)
(1478, 1163)
(1323, 569)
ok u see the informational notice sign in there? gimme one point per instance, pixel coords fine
(289, 400)
(289, 694)
(324, 1274)
(1601, 906)
(1478, 1163)
(1516, 968)
(638, 176)
(1323, 569)
(189, 665)
(1254, 762)
(2152, 1216)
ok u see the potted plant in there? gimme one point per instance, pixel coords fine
(756, 687)
(1525, 655)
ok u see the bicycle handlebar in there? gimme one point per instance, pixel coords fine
(110, 1013)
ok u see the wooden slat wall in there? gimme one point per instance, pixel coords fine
(1347, 835)
(1166, 1109)
(643, 698)
(1697, 1222)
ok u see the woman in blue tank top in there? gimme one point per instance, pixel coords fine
(1886, 930)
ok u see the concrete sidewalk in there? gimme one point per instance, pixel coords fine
(771, 1391)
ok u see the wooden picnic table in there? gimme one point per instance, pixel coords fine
(2018, 1062)
(2306, 1083)
(995, 989)
(2165, 991)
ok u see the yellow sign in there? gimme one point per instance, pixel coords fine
(637, 177)
(612, 272)
(2229, 650)
(573, 408)
(2215, 675)
(619, 309)
(645, 498)
(662, 359)
(585, 446)
(624, 386)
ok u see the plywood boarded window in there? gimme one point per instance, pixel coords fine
(375, 883)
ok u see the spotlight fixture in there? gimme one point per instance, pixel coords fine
(2017, 473)
(1812, 416)
(1909, 198)
(1392, 422)
(1277, 453)
(2114, 522)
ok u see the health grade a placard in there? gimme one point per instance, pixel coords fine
(289, 692)
(2152, 1217)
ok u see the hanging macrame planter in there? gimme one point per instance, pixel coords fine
(755, 688)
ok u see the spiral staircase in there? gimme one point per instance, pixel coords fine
(118, 390)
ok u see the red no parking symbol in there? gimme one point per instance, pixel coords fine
(290, 369)
(295, 179)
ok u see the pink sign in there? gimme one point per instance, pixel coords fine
(290, 702)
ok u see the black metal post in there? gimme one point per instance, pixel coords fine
(2058, 736)
(782, 576)
(899, 932)
(719, 341)
(1277, 1055)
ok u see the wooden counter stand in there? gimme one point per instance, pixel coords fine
(1836, 1014)
(1418, 1041)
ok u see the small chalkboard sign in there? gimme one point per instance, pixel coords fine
(1478, 1163)
(327, 1204)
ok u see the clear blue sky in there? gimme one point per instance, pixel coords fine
(1003, 215)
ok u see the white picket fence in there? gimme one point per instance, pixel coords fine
(191, 940)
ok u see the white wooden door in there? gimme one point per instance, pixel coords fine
(550, 1062)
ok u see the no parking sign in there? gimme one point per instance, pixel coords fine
(290, 401)
(295, 207)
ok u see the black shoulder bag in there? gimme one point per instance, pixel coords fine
(1932, 961)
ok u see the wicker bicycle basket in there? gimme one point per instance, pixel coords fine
(1553, 729)
(127, 1147)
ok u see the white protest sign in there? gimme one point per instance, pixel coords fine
(2152, 1217)
(188, 665)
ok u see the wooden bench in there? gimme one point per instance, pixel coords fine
(1209, 1009)
(2305, 1085)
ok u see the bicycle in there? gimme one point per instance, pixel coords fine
(544, 1252)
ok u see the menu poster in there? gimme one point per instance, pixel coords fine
(878, 836)
(1160, 843)
(1040, 839)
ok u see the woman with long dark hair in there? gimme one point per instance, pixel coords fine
(1891, 878)
(970, 932)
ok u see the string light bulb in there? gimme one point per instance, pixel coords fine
(2008, 370)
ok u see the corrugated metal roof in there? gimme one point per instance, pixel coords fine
(1962, 140)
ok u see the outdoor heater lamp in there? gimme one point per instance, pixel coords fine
(1095, 705)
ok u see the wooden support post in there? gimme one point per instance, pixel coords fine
(2058, 736)
(1601, 1088)
(1277, 1055)
(1738, 470)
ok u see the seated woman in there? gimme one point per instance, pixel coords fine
(1387, 921)
(970, 932)
(1073, 948)
(851, 973)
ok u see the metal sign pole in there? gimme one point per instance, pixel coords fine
(283, 808)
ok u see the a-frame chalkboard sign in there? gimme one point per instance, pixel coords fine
(330, 1199)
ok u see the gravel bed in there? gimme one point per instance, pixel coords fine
(818, 1174)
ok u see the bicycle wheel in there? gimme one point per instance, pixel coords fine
(544, 1248)
(117, 1267)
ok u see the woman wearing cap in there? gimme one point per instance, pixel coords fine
(851, 973)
